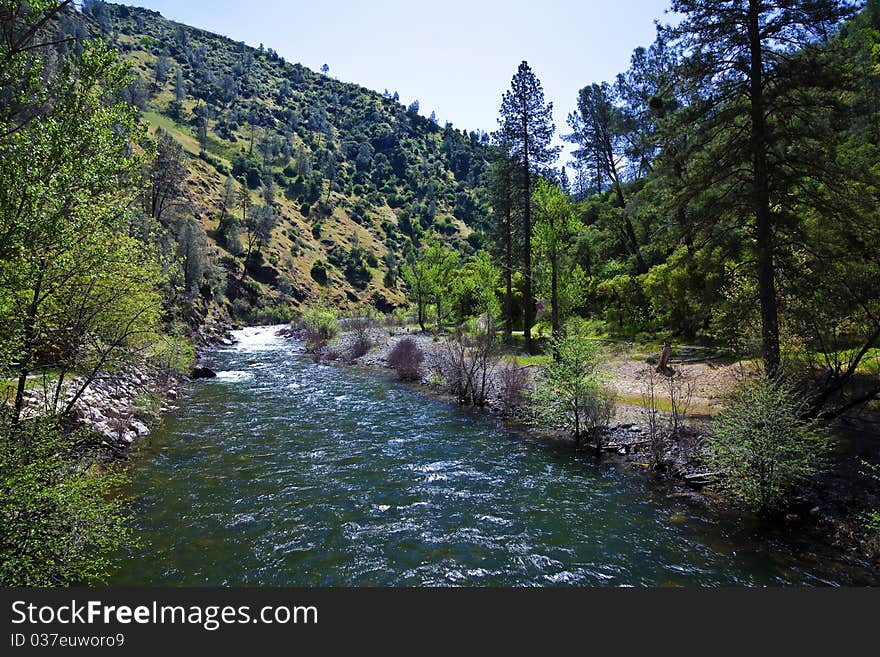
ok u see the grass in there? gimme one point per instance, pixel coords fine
(184, 138)
(35, 381)
(694, 409)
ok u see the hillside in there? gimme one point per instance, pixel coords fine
(355, 179)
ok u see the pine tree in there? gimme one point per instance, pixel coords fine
(527, 128)
(502, 187)
(598, 130)
(740, 61)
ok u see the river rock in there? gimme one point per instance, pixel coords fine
(203, 373)
(139, 428)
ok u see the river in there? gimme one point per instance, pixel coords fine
(281, 472)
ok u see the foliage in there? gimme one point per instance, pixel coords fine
(320, 324)
(173, 350)
(764, 447)
(74, 287)
(63, 524)
(525, 134)
(319, 272)
(571, 392)
(555, 225)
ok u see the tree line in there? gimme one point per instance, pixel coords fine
(725, 191)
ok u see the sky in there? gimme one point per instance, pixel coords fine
(456, 57)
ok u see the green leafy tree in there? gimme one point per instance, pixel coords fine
(441, 267)
(764, 447)
(66, 183)
(415, 274)
(571, 392)
(555, 225)
(62, 525)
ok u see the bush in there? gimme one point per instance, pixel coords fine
(406, 359)
(513, 382)
(361, 325)
(466, 364)
(319, 272)
(763, 447)
(571, 393)
(319, 325)
(62, 523)
(174, 351)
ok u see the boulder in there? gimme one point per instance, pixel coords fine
(139, 428)
(203, 373)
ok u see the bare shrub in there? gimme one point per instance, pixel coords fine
(406, 359)
(466, 364)
(652, 417)
(513, 381)
(680, 387)
(361, 326)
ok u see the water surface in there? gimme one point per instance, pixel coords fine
(285, 473)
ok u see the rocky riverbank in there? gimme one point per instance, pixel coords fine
(125, 404)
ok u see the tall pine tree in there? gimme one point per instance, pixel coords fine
(740, 60)
(527, 129)
(503, 187)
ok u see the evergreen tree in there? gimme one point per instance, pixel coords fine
(503, 187)
(597, 129)
(740, 62)
(527, 130)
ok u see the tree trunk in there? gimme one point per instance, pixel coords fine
(27, 354)
(627, 224)
(554, 301)
(528, 302)
(761, 202)
(508, 276)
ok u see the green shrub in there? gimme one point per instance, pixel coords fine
(763, 447)
(174, 351)
(319, 272)
(62, 523)
(320, 325)
(571, 393)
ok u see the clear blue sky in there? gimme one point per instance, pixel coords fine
(456, 57)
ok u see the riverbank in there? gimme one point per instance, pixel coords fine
(124, 405)
(832, 510)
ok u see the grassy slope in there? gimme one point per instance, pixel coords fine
(355, 115)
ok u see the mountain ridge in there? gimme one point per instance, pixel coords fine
(356, 180)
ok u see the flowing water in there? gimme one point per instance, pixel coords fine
(286, 473)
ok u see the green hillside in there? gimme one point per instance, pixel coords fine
(357, 179)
